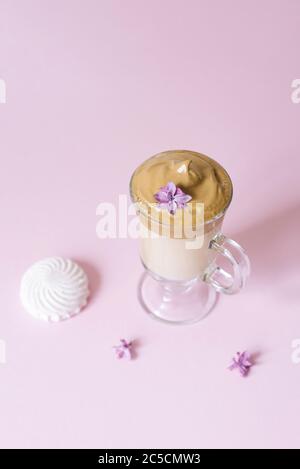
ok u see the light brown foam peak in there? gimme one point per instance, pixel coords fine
(201, 177)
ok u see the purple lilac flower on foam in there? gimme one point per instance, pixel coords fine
(241, 362)
(124, 349)
(172, 198)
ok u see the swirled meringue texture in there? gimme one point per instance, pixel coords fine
(54, 289)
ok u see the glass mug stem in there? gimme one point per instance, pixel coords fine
(235, 255)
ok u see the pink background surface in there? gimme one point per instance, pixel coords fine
(93, 88)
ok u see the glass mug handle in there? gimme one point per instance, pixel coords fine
(219, 278)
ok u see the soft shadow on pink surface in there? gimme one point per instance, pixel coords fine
(273, 245)
(256, 357)
(94, 278)
(136, 345)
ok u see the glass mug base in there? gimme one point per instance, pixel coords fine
(174, 302)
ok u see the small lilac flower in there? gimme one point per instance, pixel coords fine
(172, 198)
(124, 350)
(242, 362)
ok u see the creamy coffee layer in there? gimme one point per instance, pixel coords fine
(196, 174)
(199, 176)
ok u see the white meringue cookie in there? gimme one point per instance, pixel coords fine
(54, 289)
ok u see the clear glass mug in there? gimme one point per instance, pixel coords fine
(181, 283)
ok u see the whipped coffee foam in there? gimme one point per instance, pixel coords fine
(197, 175)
